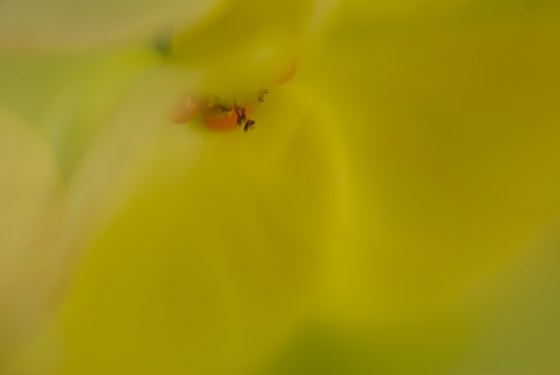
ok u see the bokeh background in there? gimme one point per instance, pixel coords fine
(395, 210)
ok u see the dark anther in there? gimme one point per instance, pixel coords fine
(249, 125)
(241, 114)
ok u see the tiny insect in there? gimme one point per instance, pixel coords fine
(250, 124)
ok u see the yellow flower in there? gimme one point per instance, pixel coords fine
(386, 216)
(99, 118)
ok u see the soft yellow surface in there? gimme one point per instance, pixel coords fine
(393, 212)
(30, 225)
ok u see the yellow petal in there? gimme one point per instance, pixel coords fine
(248, 45)
(215, 258)
(387, 14)
(63, 25)
(30, 222)
(454, 143)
